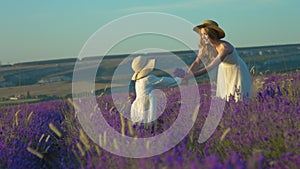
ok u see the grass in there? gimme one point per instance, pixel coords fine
(17, 102)
(263, 133)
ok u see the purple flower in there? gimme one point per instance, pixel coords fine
(179, 72)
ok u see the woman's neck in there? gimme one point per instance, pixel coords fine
(215, 43)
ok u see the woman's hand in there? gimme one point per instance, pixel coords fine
(187, 77)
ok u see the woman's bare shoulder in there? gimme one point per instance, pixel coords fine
(226, 47)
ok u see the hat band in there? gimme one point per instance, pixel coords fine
(145, 71)
(136, 75)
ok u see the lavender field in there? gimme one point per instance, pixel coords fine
(263, 132)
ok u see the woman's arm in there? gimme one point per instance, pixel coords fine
(197, 62)
(223, 50)
(195, 65)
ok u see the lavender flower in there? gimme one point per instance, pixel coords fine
(263, 133)
(179, 72)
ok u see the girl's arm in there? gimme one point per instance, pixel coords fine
(162, 82)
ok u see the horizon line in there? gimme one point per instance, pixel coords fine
(122, 54)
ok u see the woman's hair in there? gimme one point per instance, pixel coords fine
(207, 52)
(212, 34)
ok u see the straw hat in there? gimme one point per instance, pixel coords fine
(141, 67)
(210, 24)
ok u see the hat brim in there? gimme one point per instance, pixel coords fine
(218, 29)
(145, 71)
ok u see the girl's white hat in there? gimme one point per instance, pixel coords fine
(142, 67)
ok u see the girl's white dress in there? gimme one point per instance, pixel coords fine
(234, 78)
(143, 109)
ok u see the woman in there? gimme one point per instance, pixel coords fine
(233, 76)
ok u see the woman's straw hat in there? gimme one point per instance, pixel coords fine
(141, 67)
(210, 24)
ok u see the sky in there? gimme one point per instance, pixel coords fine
(35, 30)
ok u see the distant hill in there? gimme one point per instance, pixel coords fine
(263, 59)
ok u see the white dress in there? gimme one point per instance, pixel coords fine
(143, 109)
(234, 78)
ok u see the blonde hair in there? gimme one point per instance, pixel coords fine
(207, 52)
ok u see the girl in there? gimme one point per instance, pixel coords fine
(143, 109)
